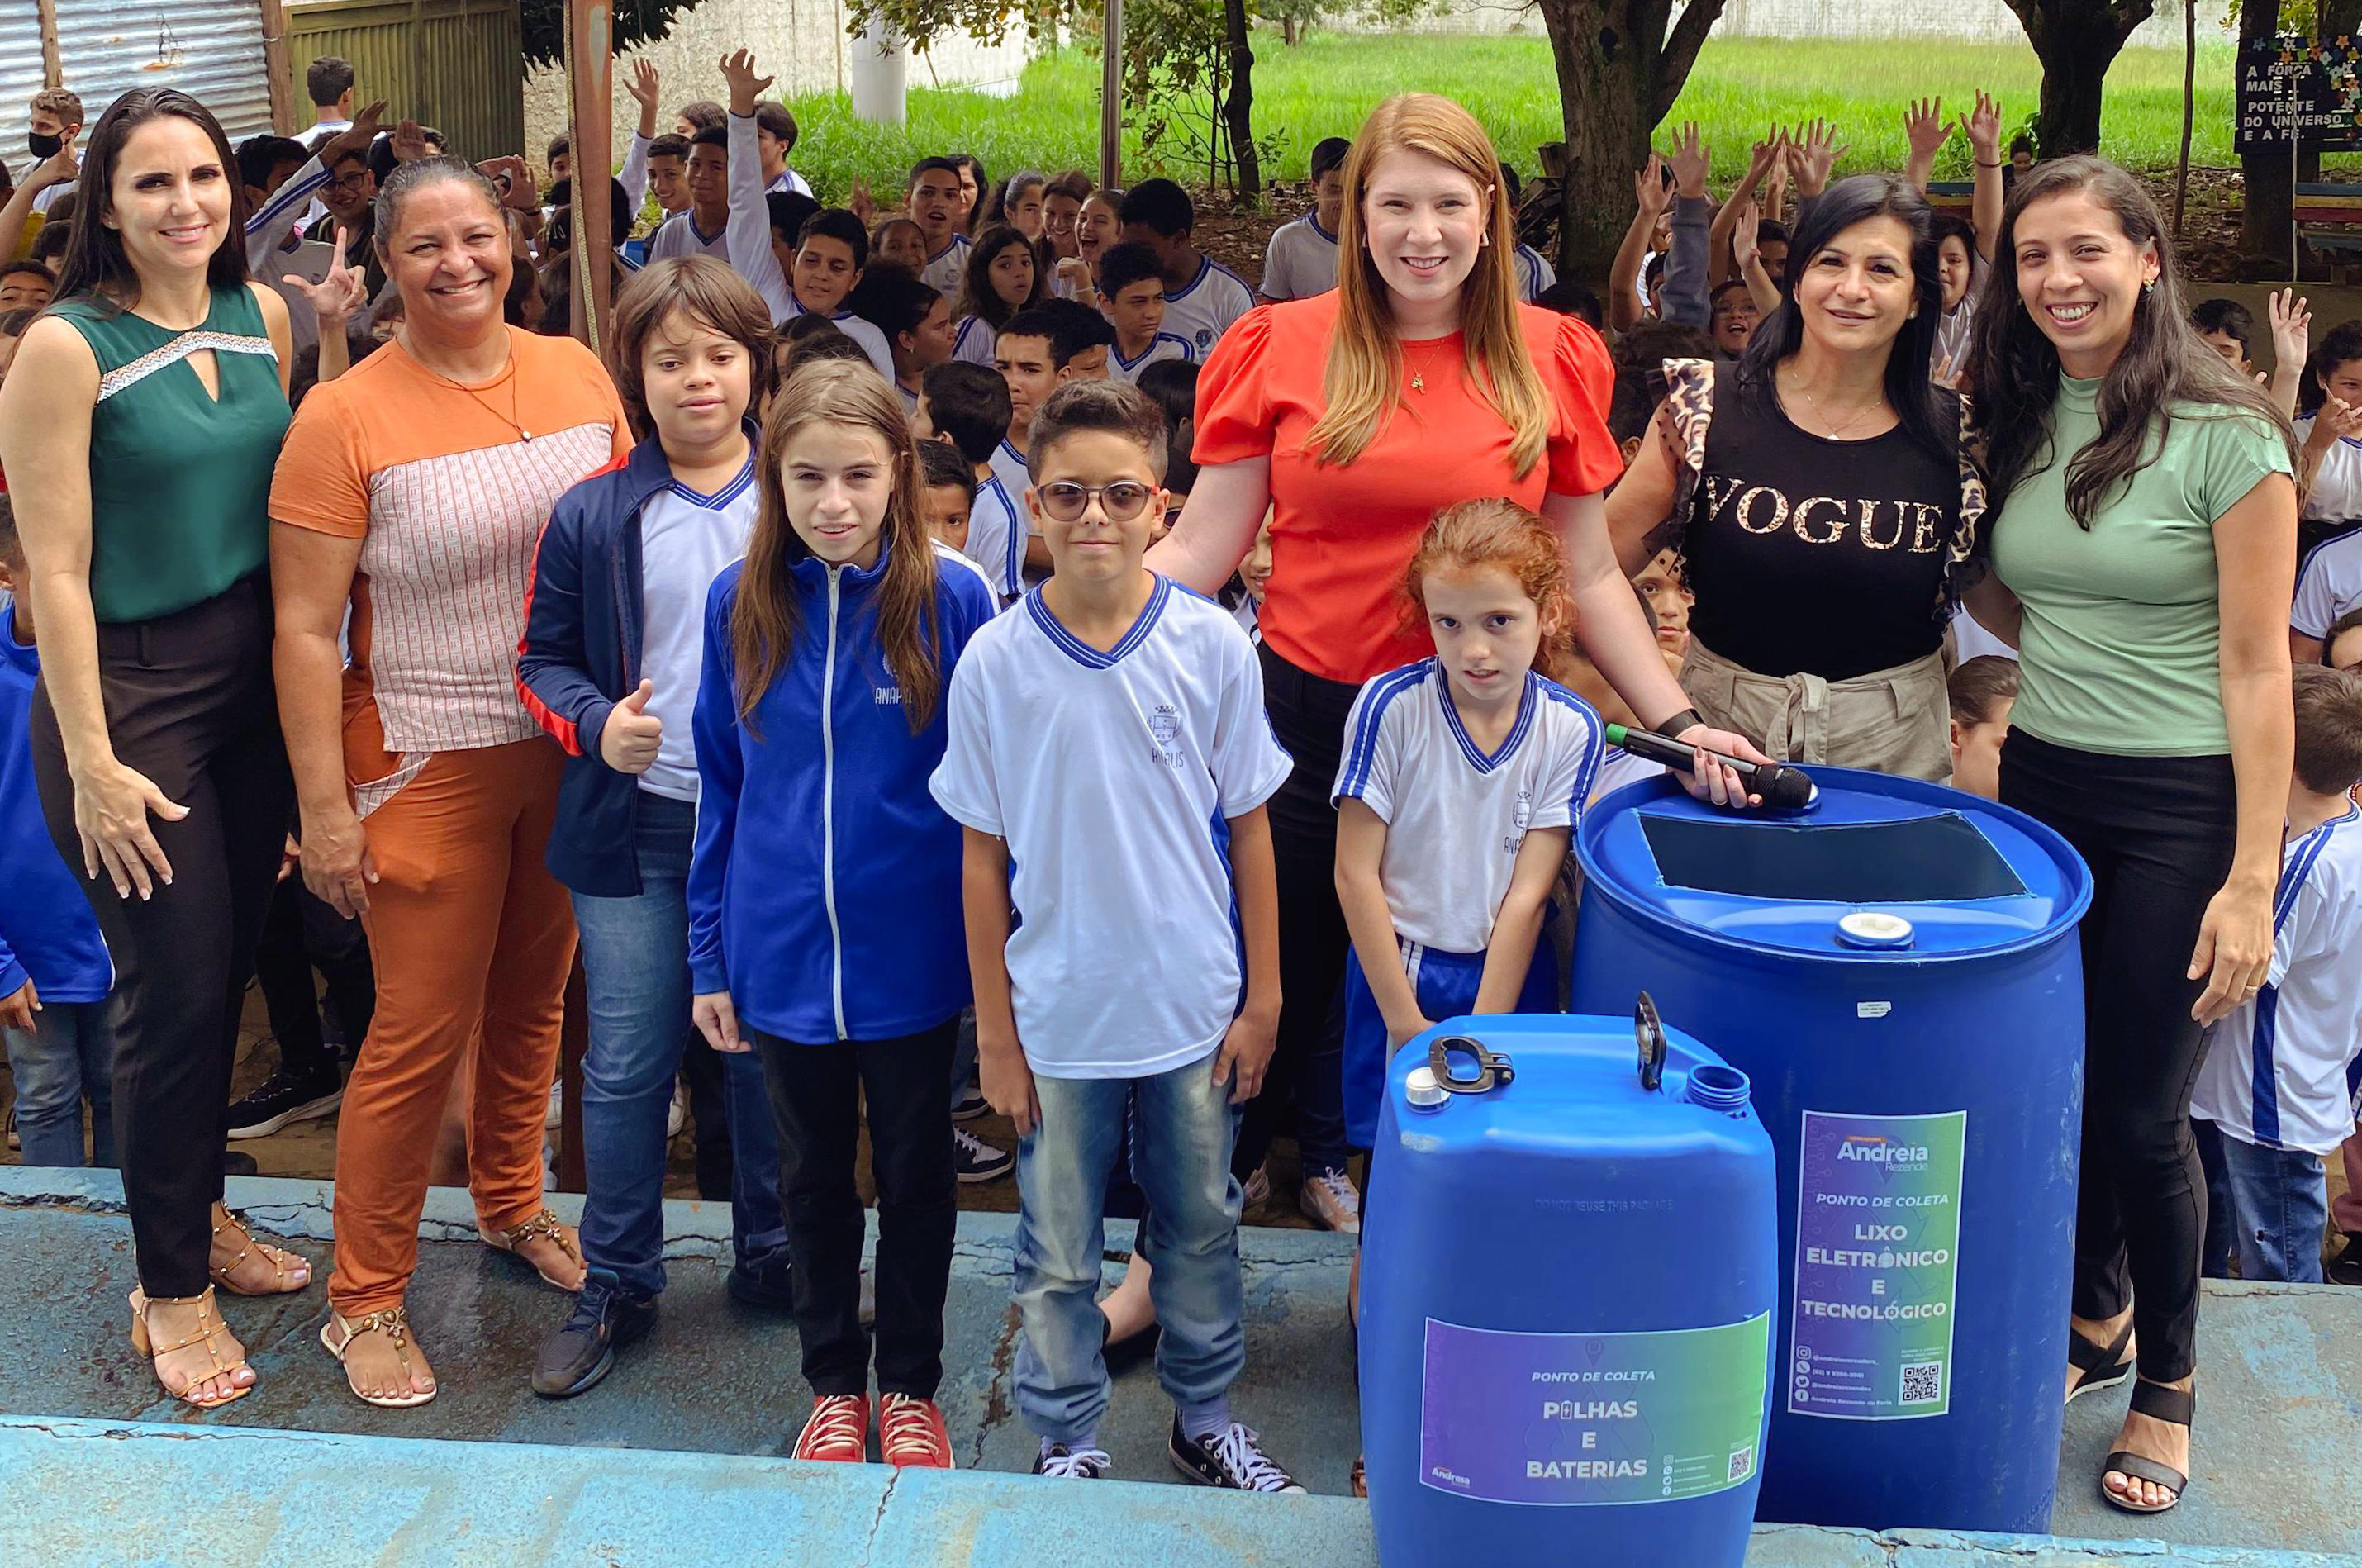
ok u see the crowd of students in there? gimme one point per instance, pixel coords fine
(918, 607)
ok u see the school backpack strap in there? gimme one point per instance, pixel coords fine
(1681, 425)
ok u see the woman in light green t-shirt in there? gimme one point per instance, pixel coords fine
(2144, 550)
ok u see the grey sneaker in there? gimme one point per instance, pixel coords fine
(974, 1160)
(1073, 1464)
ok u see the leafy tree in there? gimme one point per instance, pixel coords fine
(1620, 64)
(2075, 41)
(1187, 65)
(636, 22)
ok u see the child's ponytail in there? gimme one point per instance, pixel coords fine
(1497, 532)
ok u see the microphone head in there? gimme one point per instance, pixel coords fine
(1786, 788)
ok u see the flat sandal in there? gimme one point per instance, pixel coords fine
(145, 1344)
(394, 1323)
(282, 1261)
(543, 1226)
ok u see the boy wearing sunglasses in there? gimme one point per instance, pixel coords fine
(1107, 739)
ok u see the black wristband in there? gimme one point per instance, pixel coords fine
(1673, 725)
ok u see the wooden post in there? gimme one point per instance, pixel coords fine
(2188, 110)
(275, 63)
(1112, 97)
(590, 90)
(52, 68)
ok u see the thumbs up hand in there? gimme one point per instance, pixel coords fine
(628, 743)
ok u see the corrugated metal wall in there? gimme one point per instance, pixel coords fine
(210, 49)
(20, 74)
(457, 65)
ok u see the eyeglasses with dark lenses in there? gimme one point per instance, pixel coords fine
(1121, 500)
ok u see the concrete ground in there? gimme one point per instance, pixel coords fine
(303, 1473)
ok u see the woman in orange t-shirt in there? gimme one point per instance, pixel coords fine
(412, 492)
(1353, 418)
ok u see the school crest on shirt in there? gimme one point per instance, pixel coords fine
(1520, 816)
(1165, 729)
(1204, 337)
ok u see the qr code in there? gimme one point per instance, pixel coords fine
(1923, 1383)
(1742, 1464)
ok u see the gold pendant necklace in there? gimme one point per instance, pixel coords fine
(508, 371)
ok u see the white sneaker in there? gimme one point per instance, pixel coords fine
(1330, 1198)
(676, 1117)
(556, 1115)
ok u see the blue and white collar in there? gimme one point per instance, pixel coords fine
(1081, 652)
(1478, 758)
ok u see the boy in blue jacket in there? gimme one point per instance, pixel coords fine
(609, 665)
(55, 976)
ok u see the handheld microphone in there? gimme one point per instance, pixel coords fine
(1782, 786)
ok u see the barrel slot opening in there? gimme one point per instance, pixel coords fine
(1941, 858)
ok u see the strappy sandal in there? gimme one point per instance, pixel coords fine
(545, 1226)
(2174, 1406)
(393, 1323)
(282, 1261)
(1359, 1476)
(143, 1342)
(2103, 1366)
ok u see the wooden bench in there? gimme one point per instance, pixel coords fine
(2329, 218)
(1951, 195)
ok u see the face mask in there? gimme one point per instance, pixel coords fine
(43, 146)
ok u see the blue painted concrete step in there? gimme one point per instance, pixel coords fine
(692, 1418)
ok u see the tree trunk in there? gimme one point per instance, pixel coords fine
(1618, 73)
(2332, 19)
(2263, 171)
(2077, 40)
(1241, 98)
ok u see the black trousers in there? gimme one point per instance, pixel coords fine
(1308, 714)
(2158, 832)
(816, 1095)
(189, 704)
(301, 934)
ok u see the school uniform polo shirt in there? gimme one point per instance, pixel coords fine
(1456, 816)
(1112, 776)
(1203, 308)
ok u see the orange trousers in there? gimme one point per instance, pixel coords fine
(472, 939)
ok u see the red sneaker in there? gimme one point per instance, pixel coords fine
(838, 1431)
(910, 1432)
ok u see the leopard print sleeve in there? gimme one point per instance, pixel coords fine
(1681, 425)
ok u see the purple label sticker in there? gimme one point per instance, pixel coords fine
(1566, 1420)
(1878, 1232)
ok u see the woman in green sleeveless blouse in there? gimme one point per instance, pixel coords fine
(138, 427)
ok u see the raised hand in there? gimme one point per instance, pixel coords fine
(1982, 125)
(355, 138)
(1689, 164)
(409, 142)
(861, 204)
(629, 739)
(1815, 155)
(2342, 419)
(642, 84)
(1924, 127)
(746, 87)
(514, 179)
(1742, 234)
(1766, 155)
(1650, 191)
(339, 296)
(2292, 328)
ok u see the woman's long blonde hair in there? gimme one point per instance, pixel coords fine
(764, 622)
(1364, 382)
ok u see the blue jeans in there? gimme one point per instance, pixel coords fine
(2270, 1207)
(635, 976)
(68, 1055)
(1184, 1126)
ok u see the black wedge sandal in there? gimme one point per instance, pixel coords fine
(2103, 1366)
(2158, 1402)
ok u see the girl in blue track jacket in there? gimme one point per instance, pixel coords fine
(824, 888)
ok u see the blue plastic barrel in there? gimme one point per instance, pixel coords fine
(1897, 971)
(1567, 1299)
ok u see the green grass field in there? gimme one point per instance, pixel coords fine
(1324, 86)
